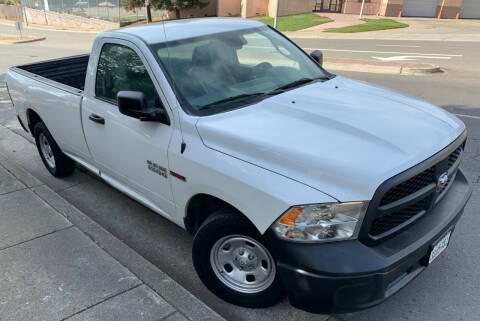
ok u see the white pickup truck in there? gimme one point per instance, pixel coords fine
(291, 179)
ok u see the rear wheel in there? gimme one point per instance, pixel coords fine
(232, 261)
(57, 163)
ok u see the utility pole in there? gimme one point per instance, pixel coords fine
(24, 12)
(149, 12)
(275, 21)
(441, 10)
(361, 9)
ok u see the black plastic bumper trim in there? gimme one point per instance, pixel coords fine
(346, 276)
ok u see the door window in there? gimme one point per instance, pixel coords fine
(120, 68)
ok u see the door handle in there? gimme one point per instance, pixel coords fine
(97, 119)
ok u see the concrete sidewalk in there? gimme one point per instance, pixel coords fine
(340, 20)
(379, 67)
(421, 29)
(51, 270)
(58, 264)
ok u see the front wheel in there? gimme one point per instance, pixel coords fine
(232, 261)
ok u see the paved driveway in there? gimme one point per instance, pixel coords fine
(419, 29)
(340, 20)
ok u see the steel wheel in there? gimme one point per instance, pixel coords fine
(56, 162)
(242, 264)
(46, 150)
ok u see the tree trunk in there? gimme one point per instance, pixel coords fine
(149, 14)
(177, 13)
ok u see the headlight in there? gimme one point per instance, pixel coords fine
(321, 222)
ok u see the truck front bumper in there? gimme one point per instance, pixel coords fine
(346, 276)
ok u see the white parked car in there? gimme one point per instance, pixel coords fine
(292, 179)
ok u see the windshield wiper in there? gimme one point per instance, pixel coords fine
(276, 91)
(296, 83)
(231, 99)
(299, 82)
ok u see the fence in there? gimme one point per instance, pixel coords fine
(108, 10)
(11, 12)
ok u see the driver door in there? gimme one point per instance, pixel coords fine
(131, 154)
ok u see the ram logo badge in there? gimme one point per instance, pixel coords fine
(442, 181)
(154, 167)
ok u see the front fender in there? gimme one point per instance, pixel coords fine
(261, 195)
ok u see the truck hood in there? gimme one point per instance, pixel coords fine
(341, 137)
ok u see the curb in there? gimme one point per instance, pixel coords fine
(31, 40)
(173, 293)
(381, 67)
(10, 42)
(421, 71)
(51, 28)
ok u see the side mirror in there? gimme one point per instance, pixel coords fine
(317, 55)
(134, 104)
(131, 102)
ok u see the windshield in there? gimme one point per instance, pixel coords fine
(219, 72)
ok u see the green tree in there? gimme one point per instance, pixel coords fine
(170, 5)
(133, 4)
(11, 2)
(178, 5)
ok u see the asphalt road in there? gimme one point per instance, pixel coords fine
(459, 56)
(448, 290)
(57, 44)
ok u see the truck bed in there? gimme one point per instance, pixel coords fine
(70, 71)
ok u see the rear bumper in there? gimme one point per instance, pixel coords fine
(341, 277)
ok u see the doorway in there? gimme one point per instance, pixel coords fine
(328, 6)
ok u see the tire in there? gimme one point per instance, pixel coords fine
(225, 231)
(57, 163)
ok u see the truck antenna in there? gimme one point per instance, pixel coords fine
(183, 145)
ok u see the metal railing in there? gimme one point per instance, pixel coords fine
(109, 10)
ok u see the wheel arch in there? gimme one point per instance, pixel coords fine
(32, 118)
(200, 206)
